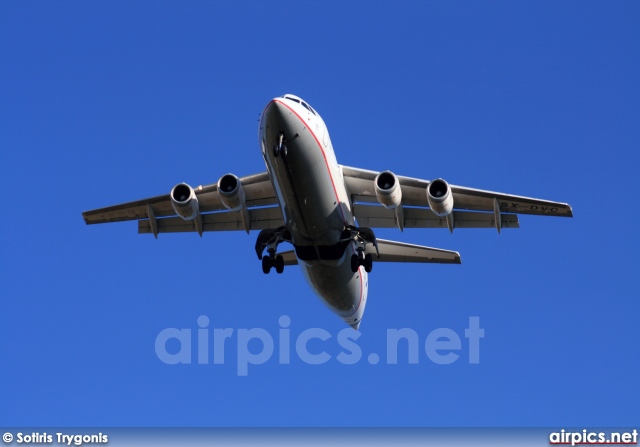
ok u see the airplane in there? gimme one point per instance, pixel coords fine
(324, 209)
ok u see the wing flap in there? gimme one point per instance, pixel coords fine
(392, 251)
(161, 206)
(260, 218)
(380, 217)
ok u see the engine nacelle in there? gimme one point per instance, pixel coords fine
(440, 197)
(388, 190)
(231, 192)
(184, 201)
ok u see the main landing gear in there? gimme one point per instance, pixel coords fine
(361, 237)
(281, 146)
(361, 259)
(272, 260)
(270, 239)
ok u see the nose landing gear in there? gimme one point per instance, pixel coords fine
(281, 146)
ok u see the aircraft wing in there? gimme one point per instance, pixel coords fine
(392, 251)
(156, 214)
(473, 208)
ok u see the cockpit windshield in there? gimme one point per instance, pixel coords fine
(299, 101)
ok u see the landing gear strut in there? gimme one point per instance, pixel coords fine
(281, 146)
(270, 239)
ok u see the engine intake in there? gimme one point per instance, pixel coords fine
(184, 201)
(388, 191)
(440, 197)
(231, 192)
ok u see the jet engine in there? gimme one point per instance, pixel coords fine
(388, 190)
(184, 201)
(440, 197)
(231, 192)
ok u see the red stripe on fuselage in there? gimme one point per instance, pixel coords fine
(324, 156)
(335, 190)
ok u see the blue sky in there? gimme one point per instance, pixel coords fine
(106, 102)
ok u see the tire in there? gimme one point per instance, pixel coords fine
(276, 151)
(368, 263)
(354, 263)
(279, 264)
(266, 265)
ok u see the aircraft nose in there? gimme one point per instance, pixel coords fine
(277, 110)
(357, 325)
(281, 119)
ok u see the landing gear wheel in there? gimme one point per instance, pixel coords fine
(355, 263)
(284, 150)
(276, 151)
(269, 239)
(266, 264)
(368, 263)
(279, 264)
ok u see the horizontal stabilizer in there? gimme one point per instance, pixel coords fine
(289, 257)
(392, 251)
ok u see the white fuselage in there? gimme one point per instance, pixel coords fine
(315, 205)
